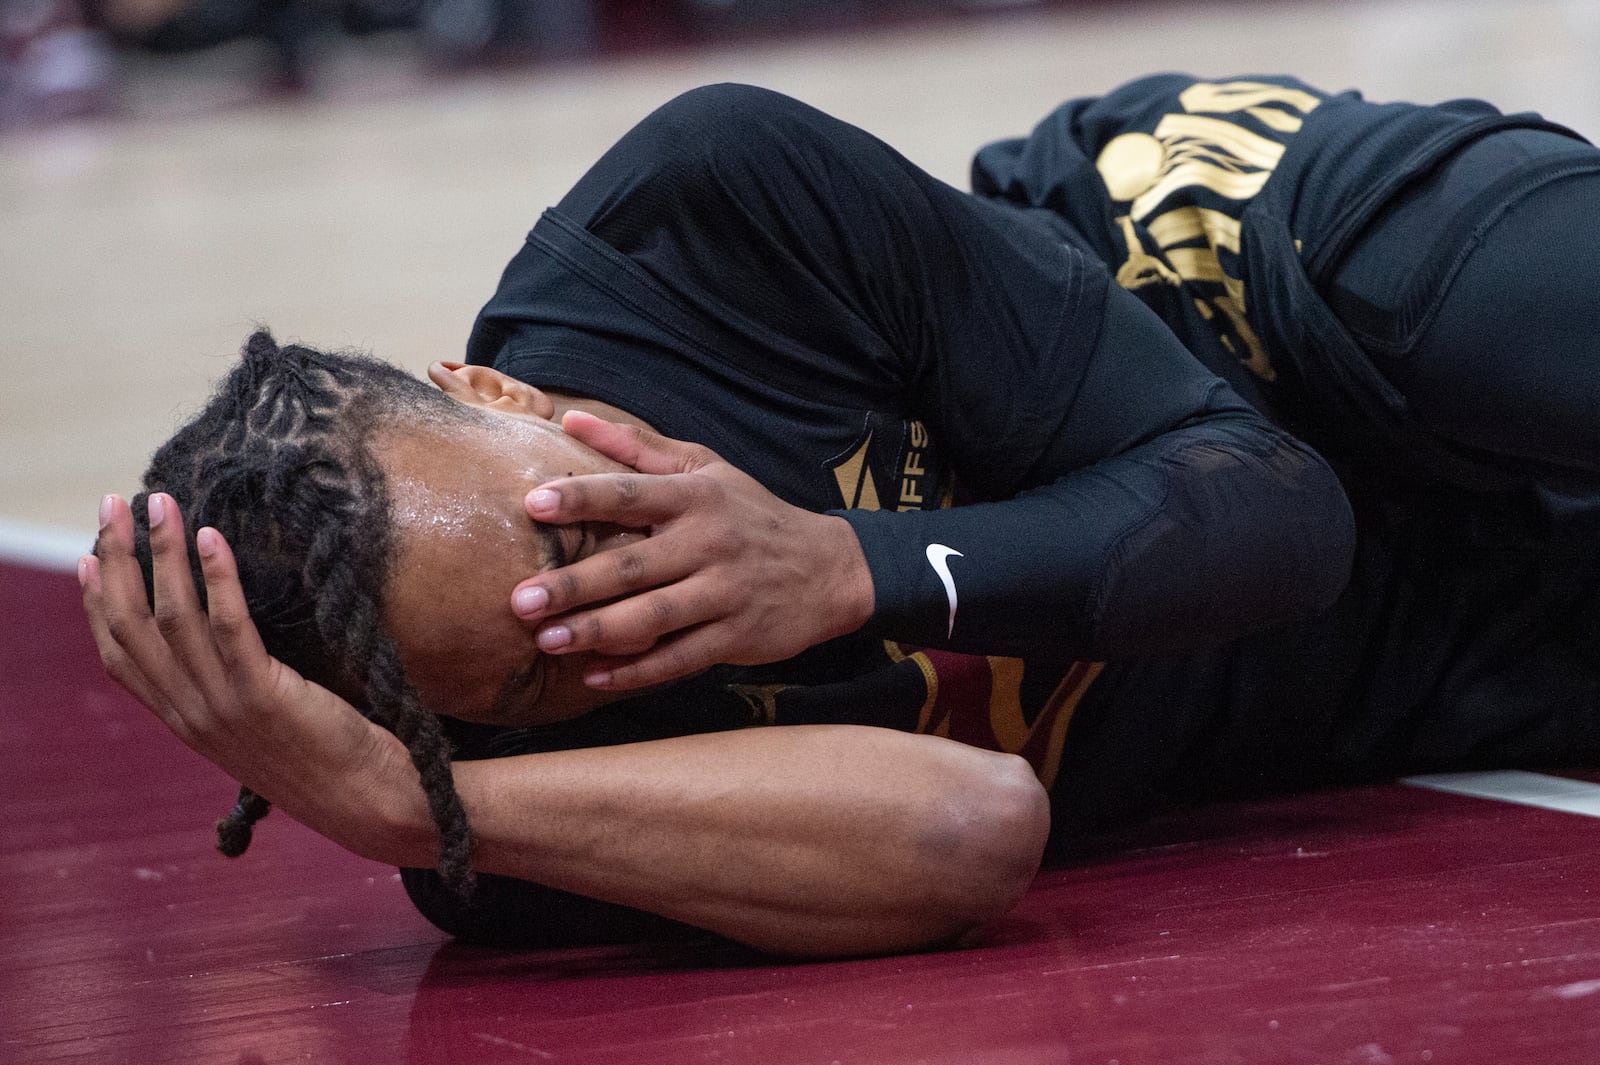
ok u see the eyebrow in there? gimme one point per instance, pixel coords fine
(554, 549)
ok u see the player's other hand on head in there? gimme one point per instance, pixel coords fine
(730, 574)
(205, 673)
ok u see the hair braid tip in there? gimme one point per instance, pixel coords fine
(235, 830)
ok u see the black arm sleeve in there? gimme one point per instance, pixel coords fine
(1147, 526)
(1129, 500)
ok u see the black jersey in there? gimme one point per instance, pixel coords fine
(1463, 636)
(1225, 205)
(748, 273)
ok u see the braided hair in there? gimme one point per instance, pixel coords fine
(279, 462)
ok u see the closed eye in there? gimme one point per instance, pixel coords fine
(559, 545)
(574, 544)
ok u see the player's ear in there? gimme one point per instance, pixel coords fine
(481, 386)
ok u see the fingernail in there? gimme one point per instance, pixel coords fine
(205, 542)
(544, 500)
(597, 680)
(530, 601)
(105, 510)
(158, 509)
(555, 638)
(83, 572)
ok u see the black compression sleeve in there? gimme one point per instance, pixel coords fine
(1215, 526)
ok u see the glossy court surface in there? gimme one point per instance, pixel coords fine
(1381, 925)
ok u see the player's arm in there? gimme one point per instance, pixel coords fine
(807, 841)
(1163, 514)
(1134, 502)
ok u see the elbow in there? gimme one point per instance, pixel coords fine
(1288, 534)
(984, 846)
(1016, 828)
(961, 855)
(1247, 538)
(1302, 547)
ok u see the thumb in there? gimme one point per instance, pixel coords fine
(643, 450)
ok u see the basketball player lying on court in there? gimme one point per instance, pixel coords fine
(1149, 589)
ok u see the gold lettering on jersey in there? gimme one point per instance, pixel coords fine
(913, 474)
(1204, 148)
(1130, 163)
(859, 489)
(1210, 153)
(1281, 121)
(1142, 269)
(1227, 97)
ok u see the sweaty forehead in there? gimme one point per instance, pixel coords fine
(464, 527)
(464, 489)
(462, 541)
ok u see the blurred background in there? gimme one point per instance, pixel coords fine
(357, 172)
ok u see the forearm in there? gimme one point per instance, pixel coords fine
(1200, 536)
(807, 840)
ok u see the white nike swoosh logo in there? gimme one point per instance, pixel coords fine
(939, 559)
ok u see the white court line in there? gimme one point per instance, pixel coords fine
(1526, 789)
(38, 545)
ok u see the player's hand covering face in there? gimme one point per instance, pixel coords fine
(729, 574)
(461, 539)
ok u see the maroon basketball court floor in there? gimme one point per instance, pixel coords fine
(1395, 924)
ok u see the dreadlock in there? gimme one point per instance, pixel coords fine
(279, 462)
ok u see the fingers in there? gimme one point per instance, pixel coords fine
(691, 653)
(118, 666)
(631, 625)
(234, 634)
(645, 451)
(132, 648)
(179, 659)
(633, 500)
(123, 602)
(606, 575)
(179, 617)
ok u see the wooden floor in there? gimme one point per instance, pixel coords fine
(1389, 925)
(1383, 926)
